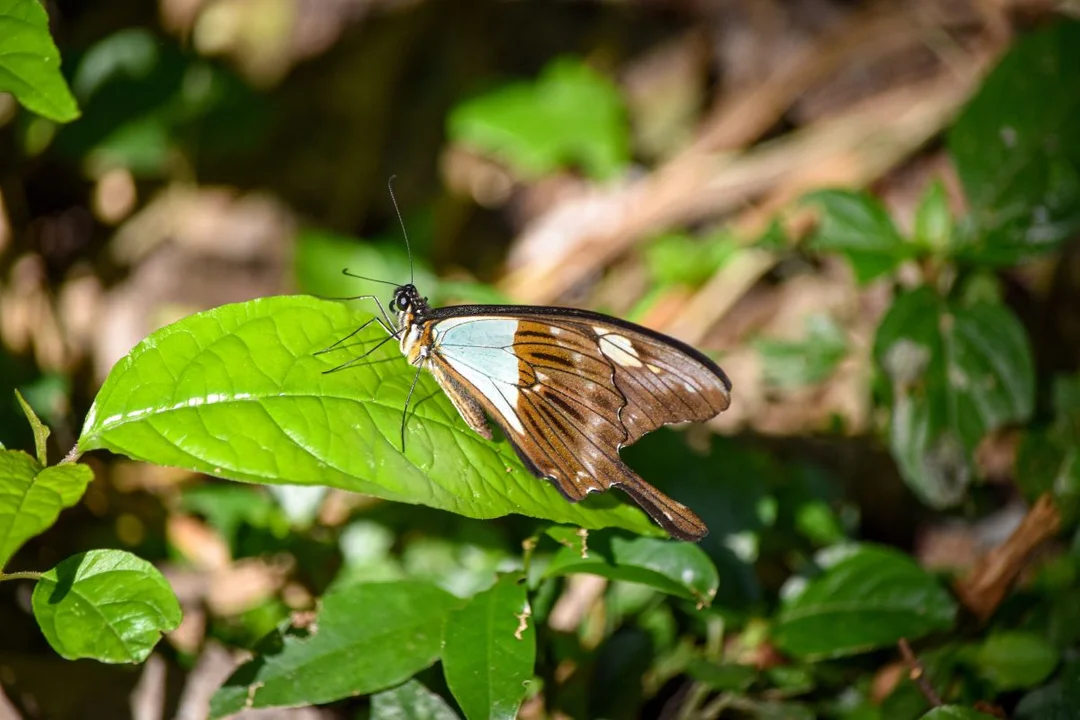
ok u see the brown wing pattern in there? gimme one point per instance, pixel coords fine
(666, 387)
(585, 389)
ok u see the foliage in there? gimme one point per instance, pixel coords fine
(30, 62)
(448, 581)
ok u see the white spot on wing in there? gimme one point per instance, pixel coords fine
(620, 349)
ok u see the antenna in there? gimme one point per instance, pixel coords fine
(361, 277)
(408, 248)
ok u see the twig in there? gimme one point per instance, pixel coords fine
(983, 588)
(918, 674)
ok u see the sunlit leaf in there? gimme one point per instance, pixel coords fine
(30, 62)
(1017, 152)
(570, 115)
(410, 701)
(366, 638)
(489, 651)
(236, 392)
(31, 497)
(957, 373)
(867, 597)
(105, 604)
(681, 259)
(41, 432)
(677, 568)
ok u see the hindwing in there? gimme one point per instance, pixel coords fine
(570, 388)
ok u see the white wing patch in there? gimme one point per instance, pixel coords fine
(479, 349)
(620, 349)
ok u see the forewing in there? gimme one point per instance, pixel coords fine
(548, 387)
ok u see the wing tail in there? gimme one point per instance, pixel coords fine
(679, 520)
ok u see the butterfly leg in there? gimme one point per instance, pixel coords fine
(353, 361)
(408, 399)
(354, 333)
(385, 320)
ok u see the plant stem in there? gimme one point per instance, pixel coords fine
(25, 575)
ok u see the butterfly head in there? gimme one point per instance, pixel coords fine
(407, 302)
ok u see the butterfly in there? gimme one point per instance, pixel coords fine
(568, 388)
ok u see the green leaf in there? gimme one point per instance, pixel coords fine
(1017, 152)
(1057, 700)
(867, 597)
(858, 226)
(681, 259)
(957, 373)
(41, 433)
(321, 256)
(228, 507)
(933, 220)
(956, 712)
(677, 568)
(31, 497)
(1049, 461)
(366, 638)
(809, 361)
(570, 115)
(1016, 660)
(410, 701)
(107, 605)
(490, 650)
(725, 677)
(463, 565)
(237, 392)
(30, 62)
(1049, 457)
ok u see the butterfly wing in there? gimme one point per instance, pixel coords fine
(569, 388)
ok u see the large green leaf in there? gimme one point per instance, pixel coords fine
(410, 701)
(105, 604)
(1017, 151)
(1015, 660)
(31, 497)
(858, 226)
(570, 115)
(489, 651)
(677, 568)
(957, 373)
(867, 597)
(237, 392)
(30, 62)
(366, 638)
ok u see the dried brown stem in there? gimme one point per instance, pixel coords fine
(985, 585)
(917, 673)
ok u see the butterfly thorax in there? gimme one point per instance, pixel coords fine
(412, 310)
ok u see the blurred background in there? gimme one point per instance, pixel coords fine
(637, 157)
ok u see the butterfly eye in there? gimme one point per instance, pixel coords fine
(402, 302)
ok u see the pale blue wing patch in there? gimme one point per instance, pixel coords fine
(480, 349)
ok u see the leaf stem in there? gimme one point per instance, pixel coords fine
(24, 575)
